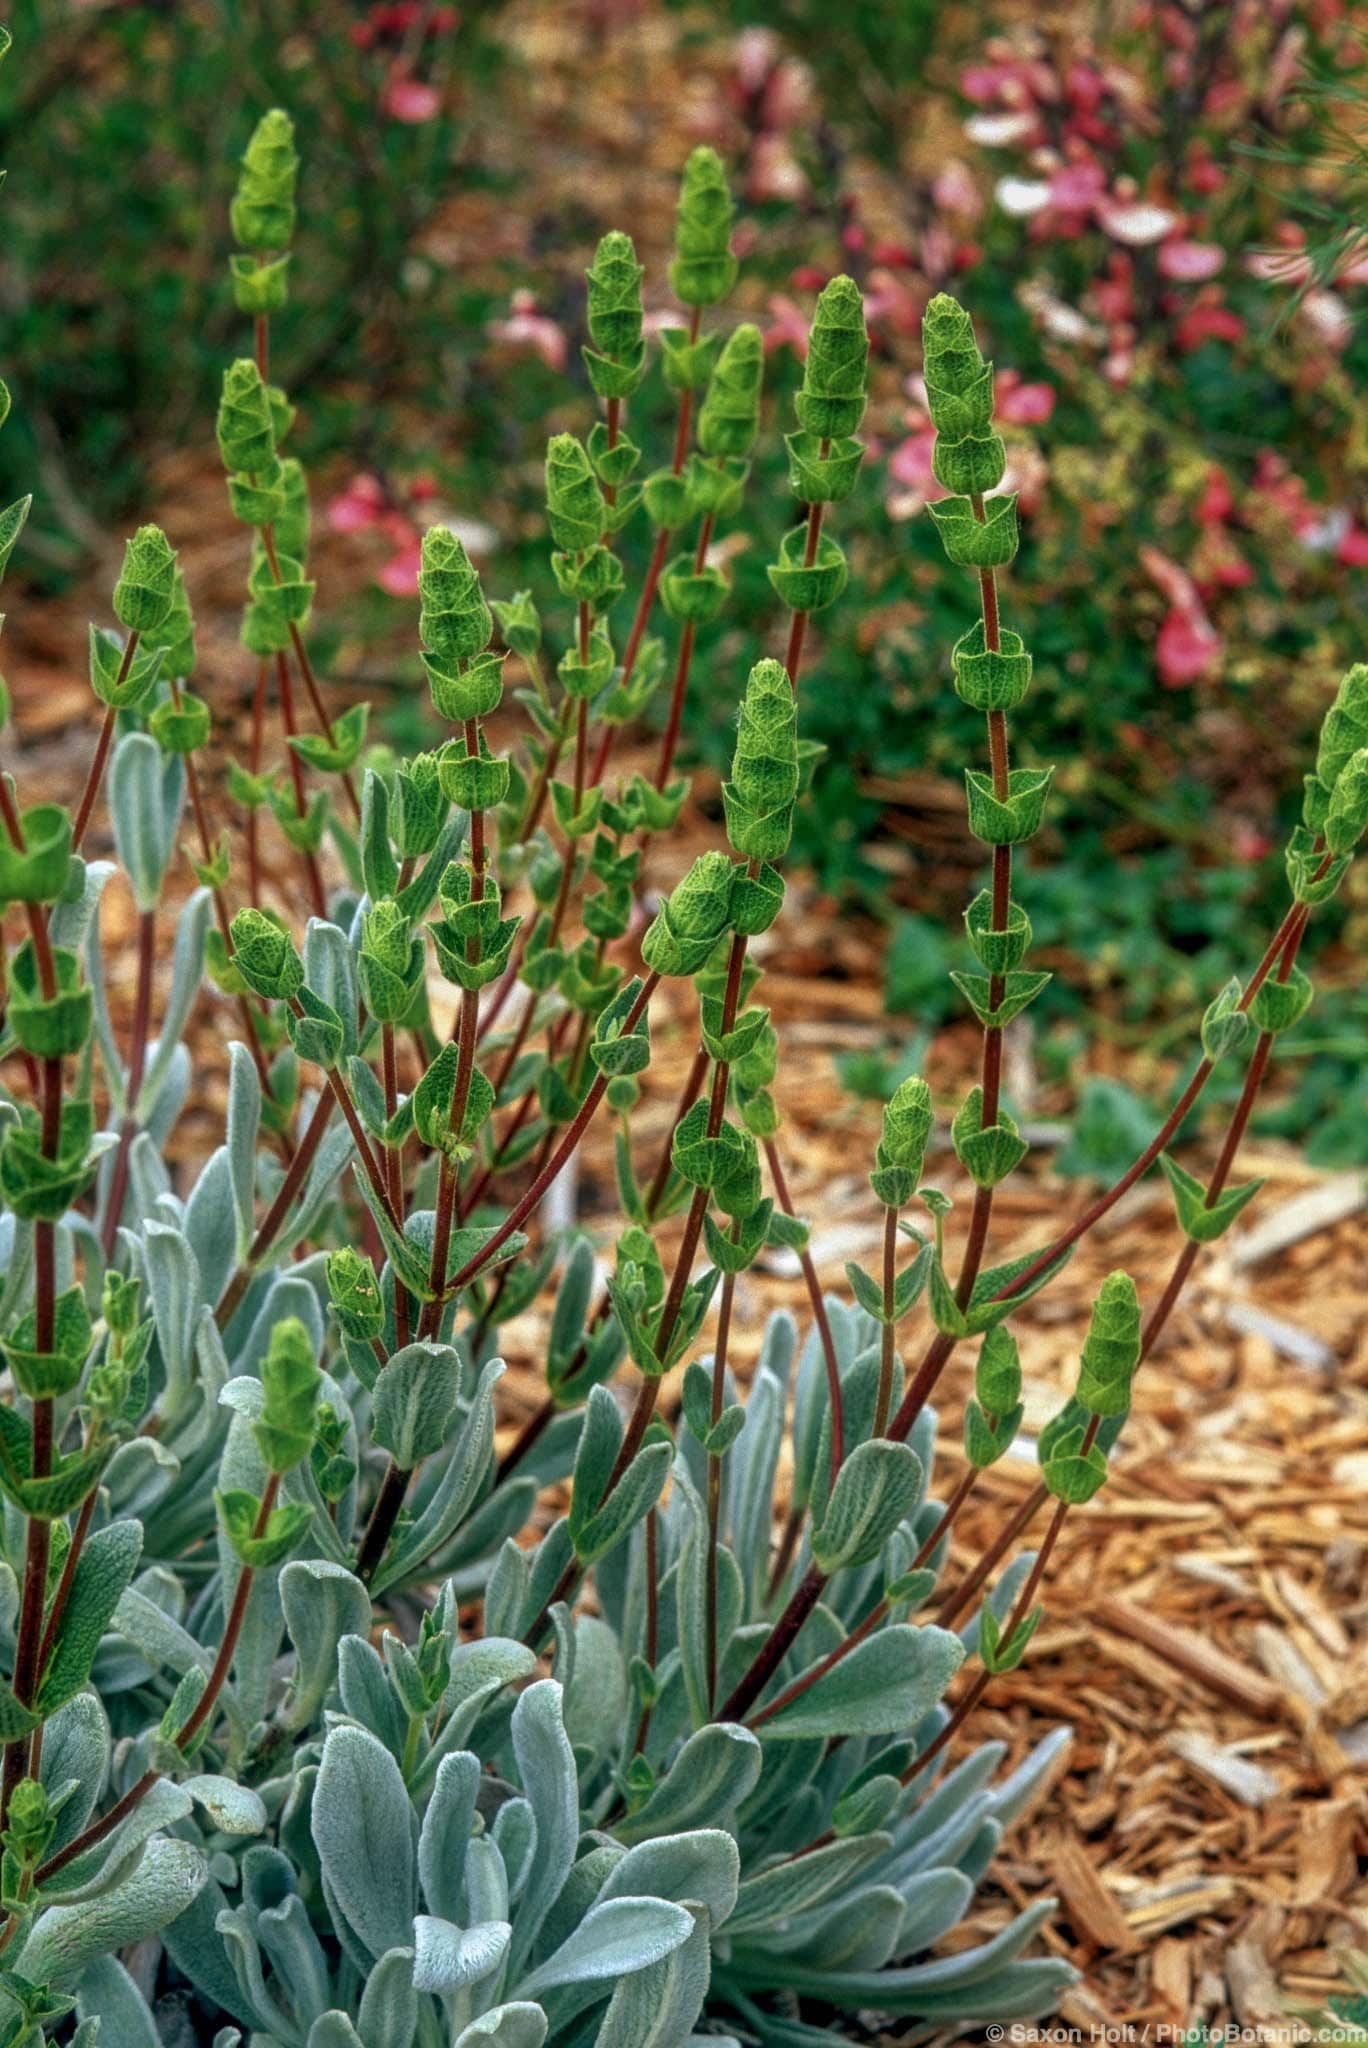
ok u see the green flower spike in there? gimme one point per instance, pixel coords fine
(354, 1293)
(764, 782)
(831, 402)
(704, 269)
(284, 1430)
(455, 624)
(146, 587)
(907, 1122)
(618, 356)
(1344, 729)
(1111, 1350)
(730, 414)
(1346, 818)
(575, 509)
(692, 918)
(175, 634)
(262, 216)
(265, 956)
(246, 422)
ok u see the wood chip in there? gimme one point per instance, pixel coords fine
(1093, 1910)
(1250, 1783)
(1332, 1201)
(1189, 1652)
(1326, 1864)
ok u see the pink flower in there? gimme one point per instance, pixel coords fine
(1188, 645)
(1078, 186)
(1187, 648)
(1190, 262)
(1248, 842)
(399, 575)
(358, 507)
(955, 190)
(1084, 88)
(1204, 173)
(787, 326)
(1208, 320)
(408, 99)
(526, 328)
(1353, 548)
(757, 52)
(1217, 501)
(774, 171)
(910, 462)
(1023, 405)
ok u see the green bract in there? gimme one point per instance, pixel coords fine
(146, 587)
(692, 919)
(764, 779)
(831, 402)
(618, 357)
(575, 511)
(704, 269)
(455, 621)
(729, 417)
(263, 210)
(246, 423)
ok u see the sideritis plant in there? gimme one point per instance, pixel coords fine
(331, 1717)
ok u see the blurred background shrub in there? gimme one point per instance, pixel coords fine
(1143, 203)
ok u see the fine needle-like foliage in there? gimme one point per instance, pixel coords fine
(355, 1732)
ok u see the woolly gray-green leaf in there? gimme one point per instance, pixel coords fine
(612, 1939)
(362, 1826)
(65, 1939)
(886, 1686)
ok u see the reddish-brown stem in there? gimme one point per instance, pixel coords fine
(693, 1229)
(692, 1089)
(876, 1614)
(97, 766)
(308, 860)
(530, 1434)
(27, 1669)
(719, 1381)
(385, 1513)
(430, 1320)
(679, 690)
(955, 1602)
(256, 749)
(798, 624)
(563, 1589)
(137, 1057)
(389, 1063)
(651, 1646)
(528, 1201)
(884, 1400)
(310, 1140)
(94, 778)
(69, 1564)
(819, 1316)
(777, 1645)
(208, 1699)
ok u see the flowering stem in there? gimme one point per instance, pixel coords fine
(715, 1458)
(197, 1719)
(142, 1023)
(102, 746)
(928, 1372)
(308, 860)
(819, 1314)
(310, 1140)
